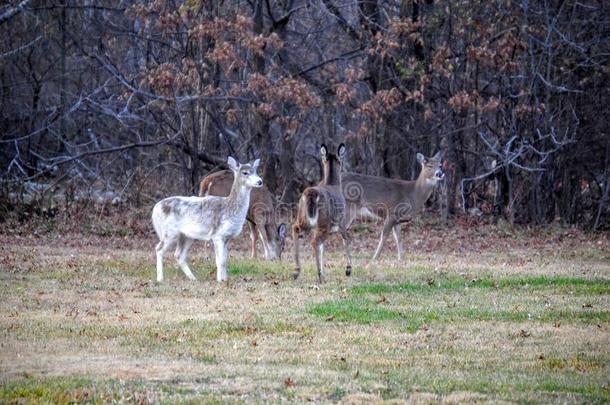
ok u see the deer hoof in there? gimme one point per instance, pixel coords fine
(348, 271)
(295, 273)
(321, 279)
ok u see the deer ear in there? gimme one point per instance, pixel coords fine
(341, 151)
(255, 164)
(438, 156)
(421, 158)
(281, 230)
(233, 163)
(323, 152)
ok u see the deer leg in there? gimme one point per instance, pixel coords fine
(318, 247)
(263, 235)
(396, 232)
(350, 214)
(160, 249)
(384, 235)
(346, 245)
(296, 233)
(220, 248)
(253, 238)
(182, 248)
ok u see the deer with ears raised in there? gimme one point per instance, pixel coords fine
(178, 221)
(322, 209)
(392, 200)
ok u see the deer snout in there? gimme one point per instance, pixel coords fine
(254, 181)
(439, 174)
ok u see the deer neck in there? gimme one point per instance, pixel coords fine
(332, 174)
(239, 197)
(422, 191)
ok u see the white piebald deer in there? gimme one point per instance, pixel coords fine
(322, 209)
(392, 200)
(261, 213)
(180, 220)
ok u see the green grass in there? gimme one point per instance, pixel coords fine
(362, 308)
(430, 285)
(353, 310)
(364, 311)
(260, 267)
(57, 391)
(70, 390)
(579, 362)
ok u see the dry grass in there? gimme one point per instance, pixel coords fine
(498, 315)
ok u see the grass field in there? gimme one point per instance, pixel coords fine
(494, 316)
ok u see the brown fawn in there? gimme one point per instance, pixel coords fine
(261, 215)
(178, 221)
(322, 209)
(392, 200)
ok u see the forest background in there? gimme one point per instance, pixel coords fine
(126, 102)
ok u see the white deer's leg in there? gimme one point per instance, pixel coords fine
(253, 238)
(220, 247)
(396, 232)
(384, 235)
(160, 249)
(182, 248)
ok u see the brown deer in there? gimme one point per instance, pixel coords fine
(261, 213)
(322, 208)
(392, 200)
(178, 221)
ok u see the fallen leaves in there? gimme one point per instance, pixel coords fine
(91, 312)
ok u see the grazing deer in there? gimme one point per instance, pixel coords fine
(180, 220)
(261, 213)
(322, 208)
(395, 201)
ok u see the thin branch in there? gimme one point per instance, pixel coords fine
(11, 12)
(351, 54)
(21, 48)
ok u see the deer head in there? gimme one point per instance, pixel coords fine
(279, 241)
(245, 174)
(431, 171)
(332, 164)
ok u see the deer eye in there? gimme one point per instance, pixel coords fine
(245, 173)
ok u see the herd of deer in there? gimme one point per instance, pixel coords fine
(228, 198)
